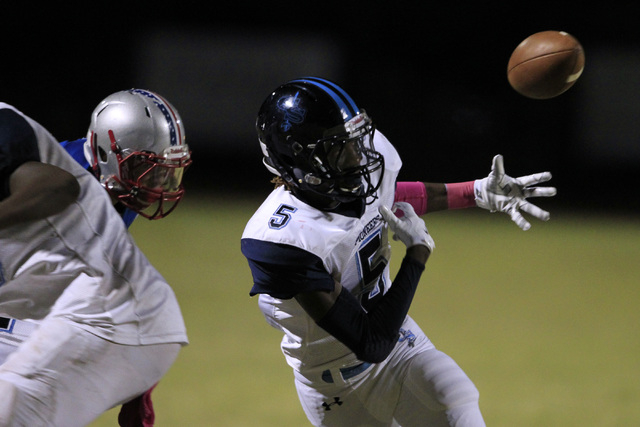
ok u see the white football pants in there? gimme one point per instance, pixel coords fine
(417, 385)
(65, 376)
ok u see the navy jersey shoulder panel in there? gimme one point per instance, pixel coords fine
(18, 145)
(284, 271)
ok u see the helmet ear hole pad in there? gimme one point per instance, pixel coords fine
(102, 154)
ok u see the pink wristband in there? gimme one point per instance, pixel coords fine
(415, 194)
(460, 195)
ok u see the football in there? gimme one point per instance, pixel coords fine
(545, 64)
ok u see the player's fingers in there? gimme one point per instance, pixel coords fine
(405, 207)
(517, 217)
(497, 168)
(540, 192)
(535, 211)
(387, 214)
(533, 179)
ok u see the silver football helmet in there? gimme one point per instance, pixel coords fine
(136, 147)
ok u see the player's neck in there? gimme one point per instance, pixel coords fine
(353, 209)
(318, 201)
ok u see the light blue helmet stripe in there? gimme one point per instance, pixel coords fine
(346, 104)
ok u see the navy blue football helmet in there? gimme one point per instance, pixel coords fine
(314, 136)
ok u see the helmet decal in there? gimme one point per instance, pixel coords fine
(174, 138)
(291, 110)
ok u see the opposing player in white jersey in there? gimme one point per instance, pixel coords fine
(108, 324)
(318, 251)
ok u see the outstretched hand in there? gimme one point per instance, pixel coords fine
(499, 192)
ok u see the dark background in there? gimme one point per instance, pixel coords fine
(432, 76)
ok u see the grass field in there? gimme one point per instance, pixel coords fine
(546, 322)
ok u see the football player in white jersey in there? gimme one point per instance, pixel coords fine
(319, 255)
(107, 325)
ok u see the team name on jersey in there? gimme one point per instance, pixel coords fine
(368, 228)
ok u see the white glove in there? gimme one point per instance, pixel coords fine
(410, 229)
(502, 193)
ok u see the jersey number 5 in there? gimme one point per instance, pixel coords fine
(371, 271)
(281, 216)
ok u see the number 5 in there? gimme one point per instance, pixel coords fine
(281, 216)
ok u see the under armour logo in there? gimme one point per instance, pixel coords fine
(336, 401)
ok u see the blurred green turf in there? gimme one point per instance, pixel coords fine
(545, 322)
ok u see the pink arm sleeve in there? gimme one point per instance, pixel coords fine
(460, 195)
(413, 193)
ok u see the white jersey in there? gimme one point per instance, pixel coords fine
(354, 251)
(83, 265)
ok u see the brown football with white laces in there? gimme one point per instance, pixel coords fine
(545, 64)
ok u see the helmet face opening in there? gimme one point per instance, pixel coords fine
(136, 147)
(345, 162)
(147, 179)
(161, 173)
(314, 136)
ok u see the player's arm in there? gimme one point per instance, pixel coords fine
(497, 192)
(29, 189)
(36, 191)
(428, 197)
(372, 335)
(437, 195)
(286, 272)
